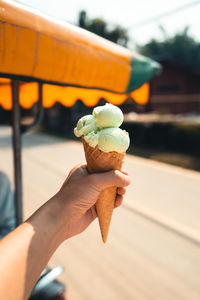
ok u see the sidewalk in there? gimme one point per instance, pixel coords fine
(141, 260)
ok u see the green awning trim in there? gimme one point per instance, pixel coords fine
(142, 70)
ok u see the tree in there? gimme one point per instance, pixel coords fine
(117, 34)
(181, 48)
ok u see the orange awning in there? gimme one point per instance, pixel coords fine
(67, 96)
(70, 62)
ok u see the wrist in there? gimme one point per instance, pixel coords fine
(57, 217)
(49, 220)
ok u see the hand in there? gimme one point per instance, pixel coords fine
(80, 192)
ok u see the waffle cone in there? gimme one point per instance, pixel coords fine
(97, 162)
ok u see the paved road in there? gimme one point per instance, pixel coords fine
(153, 247)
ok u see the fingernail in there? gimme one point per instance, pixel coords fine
(127, 179)
(124, 172)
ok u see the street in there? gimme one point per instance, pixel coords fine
(153, 247)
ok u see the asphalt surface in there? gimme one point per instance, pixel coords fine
(153, 247)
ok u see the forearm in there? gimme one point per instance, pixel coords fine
(26, 251)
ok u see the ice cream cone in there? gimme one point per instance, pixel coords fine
(99, 161)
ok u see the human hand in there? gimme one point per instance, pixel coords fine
(80, 192)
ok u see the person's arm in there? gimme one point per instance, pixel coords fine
(25, 252)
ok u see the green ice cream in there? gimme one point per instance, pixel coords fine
(92, 138)
(108, 115)
(85, 125)
(101, 129)
(113, 139)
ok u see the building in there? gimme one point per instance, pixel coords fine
(175, 90)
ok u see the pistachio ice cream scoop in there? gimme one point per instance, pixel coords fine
(113, 139)
(85, 125)
(108, 115)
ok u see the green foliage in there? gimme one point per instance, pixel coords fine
(117, 34)
(181, 48)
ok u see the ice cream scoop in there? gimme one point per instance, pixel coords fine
(113, 139)
(108, 115)
(85, 125)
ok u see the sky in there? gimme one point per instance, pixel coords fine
(126, 13)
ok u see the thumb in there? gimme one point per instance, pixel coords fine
(111, 178)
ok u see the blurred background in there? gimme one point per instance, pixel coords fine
(167, 127)
(153, 248)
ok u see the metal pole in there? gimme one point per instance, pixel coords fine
(17, 152)
(39, 112)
